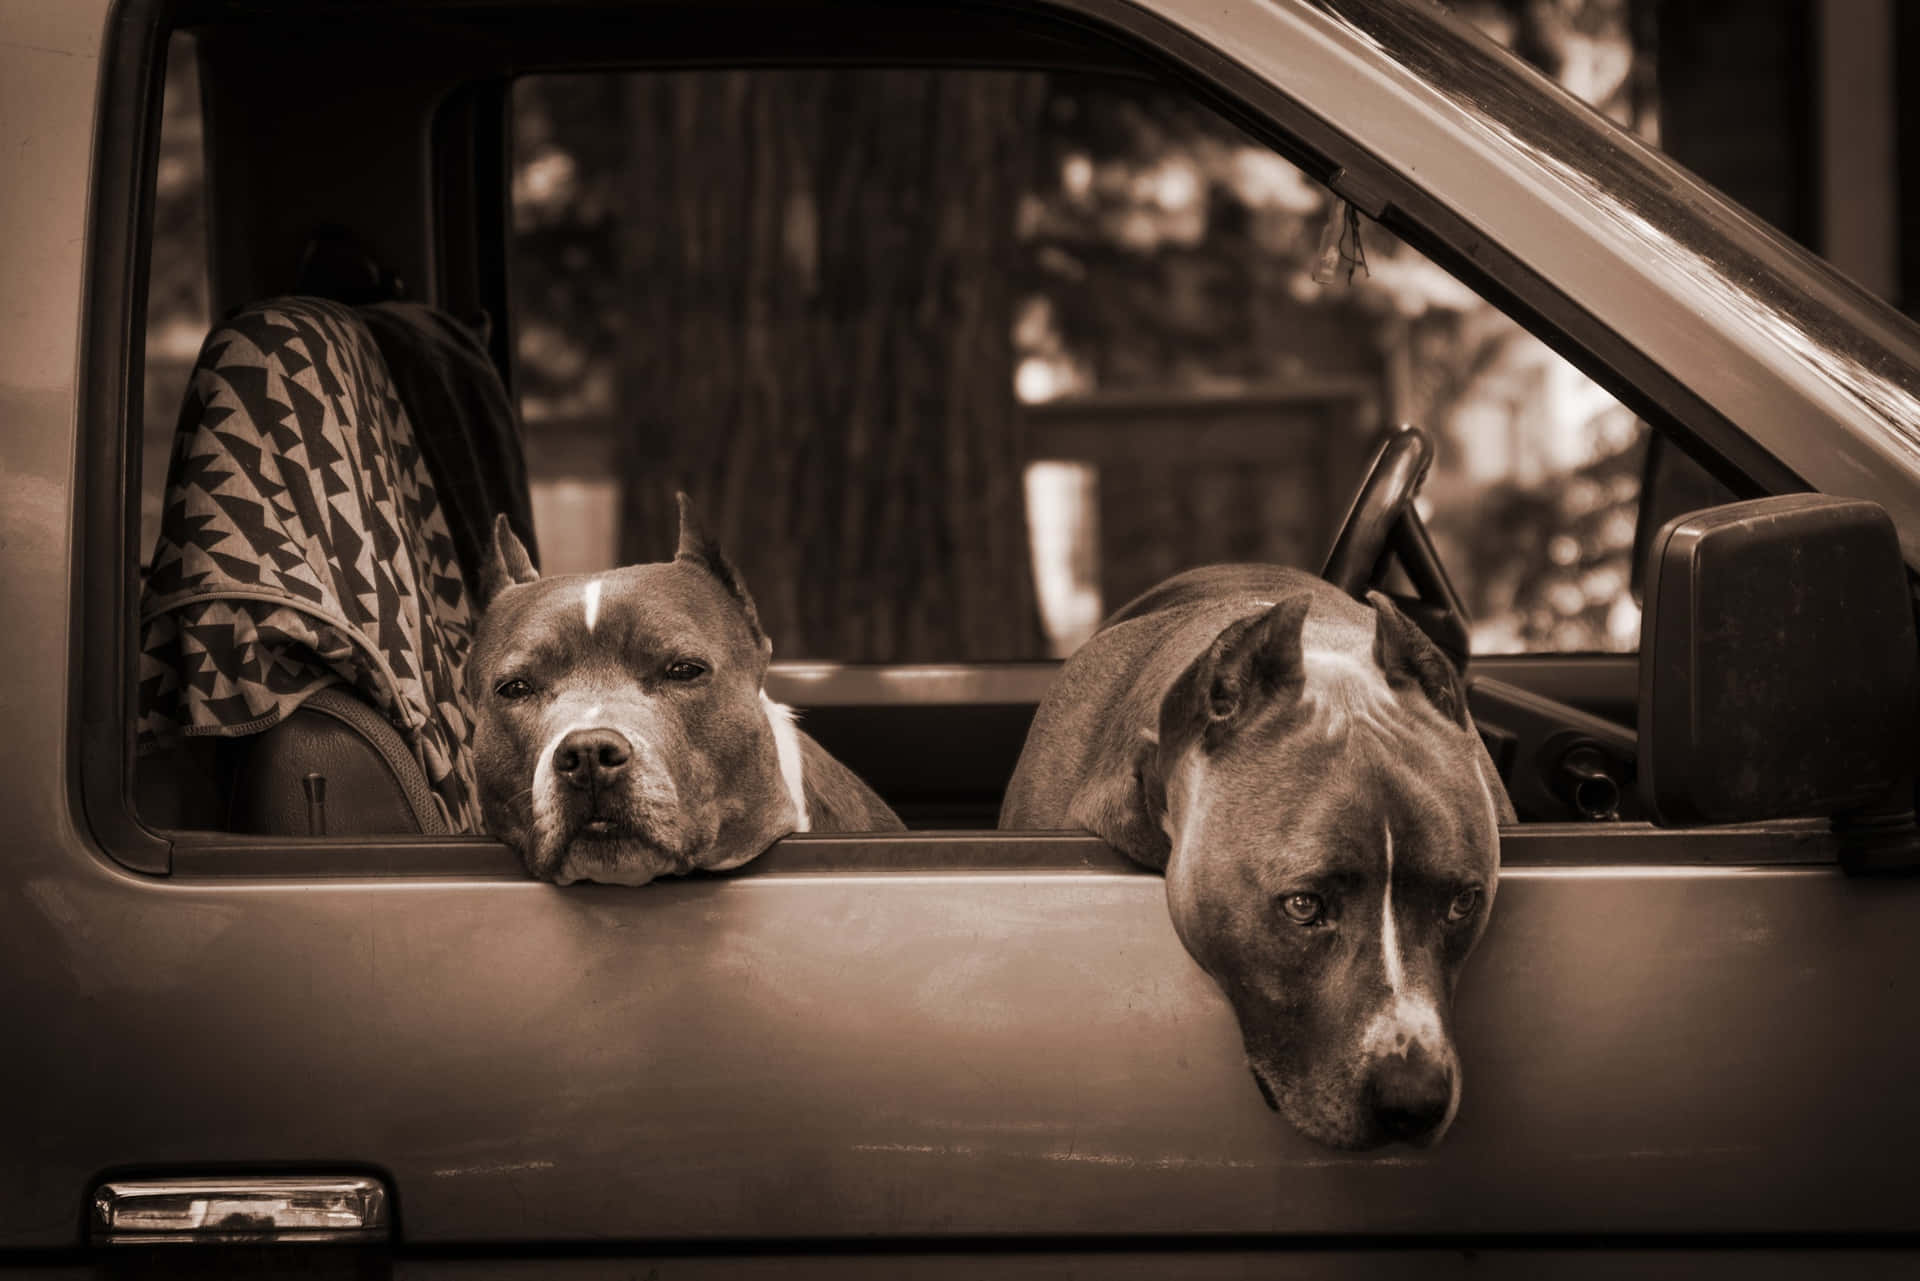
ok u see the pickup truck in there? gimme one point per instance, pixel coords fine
(1690, 1036)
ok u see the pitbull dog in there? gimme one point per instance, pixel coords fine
(621, 729)
(1302, 767)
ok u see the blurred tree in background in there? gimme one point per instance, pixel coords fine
(816, 299)
(1161, 248)
(1155, 247)
(789, 289)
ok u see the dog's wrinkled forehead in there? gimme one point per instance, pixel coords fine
(1323, 811)
(629, 614)
(1318, 784)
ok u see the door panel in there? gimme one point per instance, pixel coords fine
(834, 1054)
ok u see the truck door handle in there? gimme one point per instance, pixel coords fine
(260, 1209)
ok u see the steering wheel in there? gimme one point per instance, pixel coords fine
(1559, 763)
(1382, 526)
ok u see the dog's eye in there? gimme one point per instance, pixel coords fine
(685, 670)
(1463, 905)
(1304, 909)
(512, 689)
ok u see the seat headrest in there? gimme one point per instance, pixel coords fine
(464, 421)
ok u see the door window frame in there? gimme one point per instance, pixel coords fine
(105, 596)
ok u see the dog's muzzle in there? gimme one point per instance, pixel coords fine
(591, 760)
(1409, 1095)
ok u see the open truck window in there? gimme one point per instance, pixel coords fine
(947, 415)
(945, 412)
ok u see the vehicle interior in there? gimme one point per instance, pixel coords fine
(400, 190)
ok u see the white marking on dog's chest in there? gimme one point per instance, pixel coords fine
(793, 768)
(590, 603)
(1186, 811)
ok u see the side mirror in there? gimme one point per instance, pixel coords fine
(1778, 672)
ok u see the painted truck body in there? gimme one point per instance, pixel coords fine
(937, 1044)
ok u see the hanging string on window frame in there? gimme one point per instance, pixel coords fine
(1340, 243)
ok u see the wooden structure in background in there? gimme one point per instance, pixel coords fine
(1185, 480)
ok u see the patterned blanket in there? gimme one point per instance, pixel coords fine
(302, 545)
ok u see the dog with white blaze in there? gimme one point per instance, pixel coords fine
(622, 728)
(1302, 767)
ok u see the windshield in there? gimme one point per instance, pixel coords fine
(1855, 344)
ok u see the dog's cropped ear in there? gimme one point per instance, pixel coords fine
(509, 564)
(699, 548)
(1253, 662)
(1410, 659)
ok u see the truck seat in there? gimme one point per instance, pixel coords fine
(307, 607)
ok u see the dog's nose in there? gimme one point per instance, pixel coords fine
(1410, 1095)
(589, 758)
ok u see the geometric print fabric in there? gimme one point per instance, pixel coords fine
(302, 544)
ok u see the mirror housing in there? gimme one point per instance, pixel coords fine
(1778, 673)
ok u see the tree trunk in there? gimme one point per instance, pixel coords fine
(819, 349)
